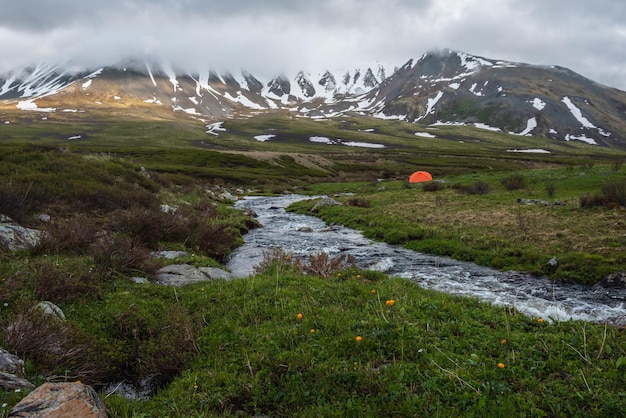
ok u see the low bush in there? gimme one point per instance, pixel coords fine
(514, 182)
(613, 196)
(121, 255)
(432, 186)
(478, 187)
(60, 349)
(68, 235)
(615, 191)
(358, 202)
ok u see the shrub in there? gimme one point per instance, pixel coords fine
(121, 255)
(322, 265)
(613, 195)
(514, 182)
(57, 347)
(432, 187)
(615, 191)
(75, 235)
(148, 226)
(479, 187)
(550, 189)
(214, 239)
(66, 282)
(358, 202)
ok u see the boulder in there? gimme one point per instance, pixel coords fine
(182, 274)
(10, 363)
(10, 381)
(50, 309)
(12, 372)
(615, 280)
(60, 400)
(15, 237)
(327, 201)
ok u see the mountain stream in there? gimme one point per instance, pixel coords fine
(302, 235)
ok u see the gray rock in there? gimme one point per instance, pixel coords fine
(227, 196)
(10, 363)
(43, 217)
(327, 201)
(615, 280)
(140, 280)
(182, 274)
(215, 273)
(51, 309)
(15, 237)
(10, 381)
(170, 255)
(60, 400)
(552, 262)
(5, 219)
(168, 209)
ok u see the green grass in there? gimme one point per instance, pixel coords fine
(428, 353)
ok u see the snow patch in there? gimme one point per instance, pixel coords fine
(363, 145)
(487, 127)
(321, 140)
(243, 100)
(431, 104)
(87, 83)
(32, 106)
(154, 100)
(263, 138)
(72, 138)
(214, 128)
(535, 151)
(530, 125)
(538, 103)
(583, 138)
(425, 135)
(577, 113)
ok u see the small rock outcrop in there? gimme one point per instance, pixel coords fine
(182, 274)
(60, 400)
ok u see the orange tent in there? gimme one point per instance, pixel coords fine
(420, 176)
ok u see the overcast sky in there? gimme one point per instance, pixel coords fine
(267, 37)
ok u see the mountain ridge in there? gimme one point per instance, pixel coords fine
(440, 87)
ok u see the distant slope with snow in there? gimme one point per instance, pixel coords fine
(439, 87)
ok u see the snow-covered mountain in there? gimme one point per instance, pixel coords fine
(440, 87)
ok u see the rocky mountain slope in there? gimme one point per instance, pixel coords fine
(441, 87)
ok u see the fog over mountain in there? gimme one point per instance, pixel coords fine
(282, 35)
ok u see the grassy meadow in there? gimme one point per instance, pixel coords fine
(321, 338)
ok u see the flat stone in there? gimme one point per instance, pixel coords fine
(182, 274)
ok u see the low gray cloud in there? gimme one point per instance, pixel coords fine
(287, 35)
